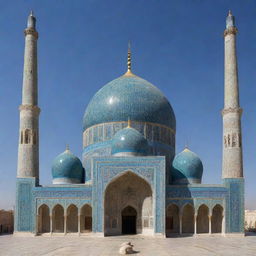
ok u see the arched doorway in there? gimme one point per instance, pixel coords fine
(203, 219)
(86, 219)
(58, 219)
(128, 190)
(129, 216)
(172, 219)
(43, 219)
(72, 219)
(217, 216)
(188, 219)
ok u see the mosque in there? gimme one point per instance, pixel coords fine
(130, 179)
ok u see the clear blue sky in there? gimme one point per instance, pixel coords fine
(176, 45)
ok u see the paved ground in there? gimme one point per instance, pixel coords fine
(109, 246)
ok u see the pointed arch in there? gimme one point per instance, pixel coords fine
(217, 218)
(203, 219)
(172, 218)
(43, 219)
(188, 212)
(72, 219)
(125, 189)
(86, 219)
(58, 218)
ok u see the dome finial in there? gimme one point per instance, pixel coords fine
(129, 61)
(129, 123)
(186, 146)
(67, 147)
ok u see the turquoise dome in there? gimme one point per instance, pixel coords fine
(130, 142)
(67, 168)
(186, 168)
(129, 96)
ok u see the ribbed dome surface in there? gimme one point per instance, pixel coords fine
(187, 168)
(129, 97)
(68, 168)
(129, 140)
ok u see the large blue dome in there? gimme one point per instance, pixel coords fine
(129, 141)
(67, 168)
(186, 168)
(129, 96)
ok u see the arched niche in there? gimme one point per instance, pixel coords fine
(217, 218)
(188, 219)
(72, 219)
(203, 219)
(58, 219)
(86, 219)
(172, 219)
(128, 189)
(43, 219)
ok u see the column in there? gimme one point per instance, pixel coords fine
(180, 219)
(51, 224)
(78, 225)
(210, 224)
(65, 224)
(195, 226)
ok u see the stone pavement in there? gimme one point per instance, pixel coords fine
(109, 246)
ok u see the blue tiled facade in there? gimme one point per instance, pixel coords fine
(151, 135)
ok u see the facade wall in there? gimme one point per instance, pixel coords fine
(6, 221)
(250, 220)
(151, 169)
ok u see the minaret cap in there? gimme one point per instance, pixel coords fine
(31, 21)
(230, 20)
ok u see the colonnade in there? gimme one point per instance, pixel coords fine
(59, 221)
(190, 221)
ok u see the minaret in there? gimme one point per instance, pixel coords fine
(28, 152)
(232, 165)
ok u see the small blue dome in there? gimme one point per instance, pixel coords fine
(67, 168)
(129, 96)
(130, 142)
(186, 168)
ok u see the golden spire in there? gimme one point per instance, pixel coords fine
(129, 123)
(129, 61)
(67, 147)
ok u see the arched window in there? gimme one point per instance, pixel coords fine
(21, 137)
(26, 140)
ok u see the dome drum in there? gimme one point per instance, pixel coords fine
(106, 131)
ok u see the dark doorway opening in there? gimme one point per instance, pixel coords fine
(129, 215)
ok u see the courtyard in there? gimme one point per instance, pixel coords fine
(109, 246)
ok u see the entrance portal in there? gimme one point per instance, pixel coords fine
(129, 215)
